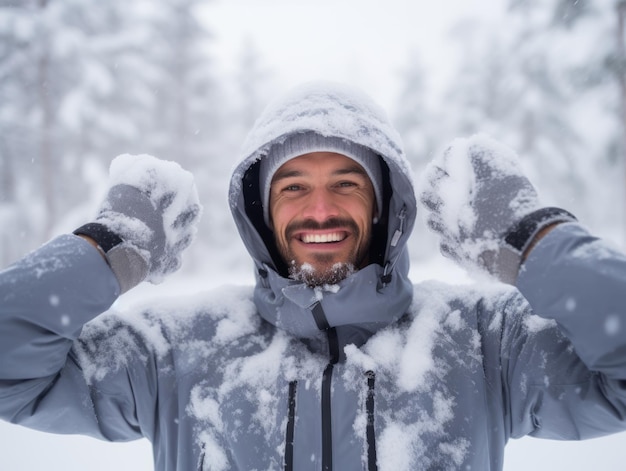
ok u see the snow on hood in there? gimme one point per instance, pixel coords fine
(332, 110)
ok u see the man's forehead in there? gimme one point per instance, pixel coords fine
(333, 163)
(301, 144)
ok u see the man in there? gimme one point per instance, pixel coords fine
(334, 360)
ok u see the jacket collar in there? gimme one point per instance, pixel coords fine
(357, 307)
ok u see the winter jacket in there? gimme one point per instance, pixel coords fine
(372, 373)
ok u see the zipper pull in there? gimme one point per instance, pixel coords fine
(396, 236)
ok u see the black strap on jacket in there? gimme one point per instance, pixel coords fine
(291, 424)
(370, 433)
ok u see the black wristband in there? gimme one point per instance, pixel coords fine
(522, 233)
(104, 237)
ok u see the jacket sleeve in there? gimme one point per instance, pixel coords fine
(567, 374)
(46, 298)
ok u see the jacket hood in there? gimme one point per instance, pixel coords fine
(330, 110)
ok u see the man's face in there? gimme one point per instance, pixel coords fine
(321, 208)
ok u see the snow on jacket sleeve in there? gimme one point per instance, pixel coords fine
(569, 381)
(46, 299)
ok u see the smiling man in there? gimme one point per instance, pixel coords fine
(333, 360)
(320, 201)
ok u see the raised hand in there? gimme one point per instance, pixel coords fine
(147, 219)
(482, 206)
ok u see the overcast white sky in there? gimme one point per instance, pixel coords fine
(362, 42)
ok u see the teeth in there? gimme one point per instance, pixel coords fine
(322, 238)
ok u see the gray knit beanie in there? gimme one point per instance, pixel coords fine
(305, 143)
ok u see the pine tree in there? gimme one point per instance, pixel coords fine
(81, 82)
(529, 84)
(31, 71)
(617, 64)
(422, 131)
(185, 113)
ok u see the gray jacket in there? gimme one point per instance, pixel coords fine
(373, 373)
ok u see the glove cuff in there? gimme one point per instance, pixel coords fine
(520, 236)
(128, 265)
(105, 238)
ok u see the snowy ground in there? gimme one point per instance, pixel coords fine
(25, 450)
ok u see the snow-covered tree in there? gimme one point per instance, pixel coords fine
(81, 82)
(422, 132)
(33, 68)
(527, 81)
(580, 41)
(413, 115)
(252, 87)
(184, 122)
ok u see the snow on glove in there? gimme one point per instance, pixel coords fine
(147, 219)
(485, 211)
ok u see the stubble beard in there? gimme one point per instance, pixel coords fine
(313, 277)
(323, 270)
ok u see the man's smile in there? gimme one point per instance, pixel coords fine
(317, 238)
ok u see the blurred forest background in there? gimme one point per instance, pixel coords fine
(82, 81)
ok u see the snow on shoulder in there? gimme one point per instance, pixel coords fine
(200, 325)
(441, 314)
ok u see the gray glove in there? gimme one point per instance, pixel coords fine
(485, 211)
(147, 219)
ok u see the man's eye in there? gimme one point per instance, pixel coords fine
(346, 184)
(292, 188)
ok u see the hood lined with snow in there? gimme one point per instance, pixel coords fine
(338, 111)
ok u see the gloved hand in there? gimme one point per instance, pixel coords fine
(482, 206)
(147, 219)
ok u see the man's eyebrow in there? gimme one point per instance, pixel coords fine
(352, 169)
(280, 175)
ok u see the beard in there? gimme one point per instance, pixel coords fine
(313, 278)
(324, 269)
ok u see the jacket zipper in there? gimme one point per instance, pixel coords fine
(333, 350)
(370, 432)
(327, 380)
(291, 423)
(327, 432)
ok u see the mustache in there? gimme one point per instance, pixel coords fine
(332, 223)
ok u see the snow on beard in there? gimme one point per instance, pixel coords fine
(306, 273)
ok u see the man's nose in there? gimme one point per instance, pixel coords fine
(321, 205)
